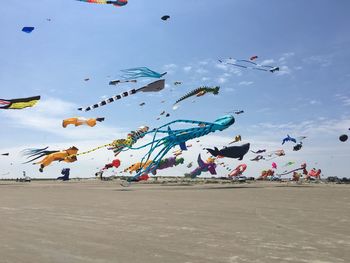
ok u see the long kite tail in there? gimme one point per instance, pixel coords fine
(109, 100)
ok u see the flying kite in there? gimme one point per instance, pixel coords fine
(298, 146)
(177, 83)
(179, 137)
(258, 158)
(114, 164)
(248, 64)
(117, 3)
(152, 87)
(239, 112)
(238, 171)
(137, 166)
(142, 104)
(78, 121)
(68, 156)
(141, 72)
(167, 163)
(253, 58)
(236, 152)
(274, 165)
(164, 18)
(289, 139)
(208, 166)
(118, 81)
(237, 138)
(17, 104)
(259, 151)
(5, 154)
(288, 164)
(343, 138)
(27, 29)
(199, 92)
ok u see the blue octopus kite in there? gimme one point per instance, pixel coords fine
(141, 72)
(178, 137)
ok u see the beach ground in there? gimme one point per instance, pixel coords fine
(94, 221)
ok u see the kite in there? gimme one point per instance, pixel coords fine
(265, 174)
(77, 121)
(5, 154)
(199, 92)
(253, 58)
(189, 165)
(117, 3)
(302, 167)
(237, 152)
(114, 164)
(274, 165)
(298, 146)
(17, 104)
(208, 166)
(177, 83)
(164, 18)
(239, 112)
(87, 79)
(68, 156)
(27, 29)
(167, 163)
(248, 64)
(258, 158)
(259, 151)
(115, 82)
(152, 87)
(237, 139)
(314, 173)
(142, 104)
(238, 171)
(179, 137)
(118, 145)
(138, 166)
(65, 172)
(177, 152)
(343, 138)
(288, 138)
(288, 164)
(141, 72)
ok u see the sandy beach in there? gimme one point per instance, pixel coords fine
(94, 221)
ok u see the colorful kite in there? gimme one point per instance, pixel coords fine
(167, 163)
(152, 87)
(288, 139)
(68, 156)
(199, 92)
(238, 171)
(237, 138)
(78, 121)
(17, 104)
(208, 166)
(117, 3)
(179, 137)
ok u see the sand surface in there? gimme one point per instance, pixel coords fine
(93, 221)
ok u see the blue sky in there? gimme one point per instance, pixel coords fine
(310, 96)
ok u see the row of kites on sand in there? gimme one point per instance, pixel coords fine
(165, 138)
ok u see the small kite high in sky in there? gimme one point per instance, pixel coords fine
(249, 64)
(17, 104)
(117, 3)
(27, 29)
(164, 18)
(78, 121)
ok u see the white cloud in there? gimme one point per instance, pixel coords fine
(314, 102)
(245, 83)
(267, 62)
(201, 71)
(222, 80)
(205, 78)
(187, 68)
(345, 100)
